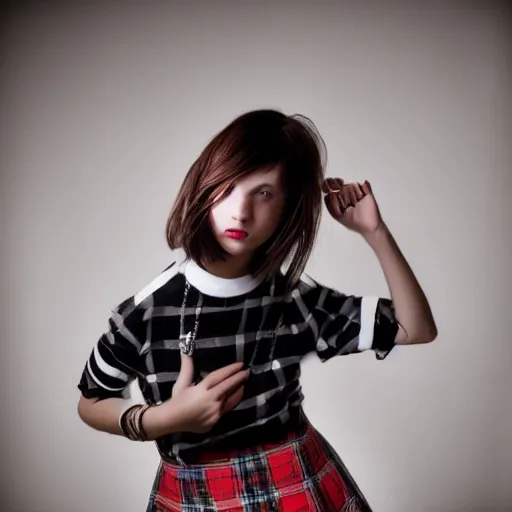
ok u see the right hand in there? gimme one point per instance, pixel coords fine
(198, 407)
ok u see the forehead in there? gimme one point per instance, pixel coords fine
(269, 175)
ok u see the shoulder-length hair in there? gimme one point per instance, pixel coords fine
(254, 141)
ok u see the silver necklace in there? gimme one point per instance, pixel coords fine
(273, 336)
(272, 346)
(187, 342)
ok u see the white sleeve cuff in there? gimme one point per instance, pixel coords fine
(368, 311)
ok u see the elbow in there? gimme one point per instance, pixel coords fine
(430, 331)
(418, 336)
(430, 335)
(80, 409)
(426, 335)
(84, 410)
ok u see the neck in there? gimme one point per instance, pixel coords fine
(230, 268)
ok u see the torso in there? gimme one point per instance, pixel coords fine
(251, 321)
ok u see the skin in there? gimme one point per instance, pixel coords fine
(354, 206)
(255, 204)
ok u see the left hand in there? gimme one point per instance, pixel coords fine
(353, 205)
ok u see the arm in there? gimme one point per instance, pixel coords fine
(412, 309)
(355, 207)
(103, 415)
(191, 408)
(113, 364)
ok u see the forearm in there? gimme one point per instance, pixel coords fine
(103, 415)
(411, 305)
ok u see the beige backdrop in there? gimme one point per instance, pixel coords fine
(104, 107)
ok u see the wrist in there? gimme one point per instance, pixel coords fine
(161, 420)
(154, 423)
(377, 236)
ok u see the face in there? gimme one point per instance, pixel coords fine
(249, 213)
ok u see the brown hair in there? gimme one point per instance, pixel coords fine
(254, 141)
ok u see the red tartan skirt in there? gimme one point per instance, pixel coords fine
(300, 474)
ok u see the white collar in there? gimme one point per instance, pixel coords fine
(219, 286)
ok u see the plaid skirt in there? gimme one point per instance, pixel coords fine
(300, 474)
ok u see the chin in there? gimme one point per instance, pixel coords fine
(236, 251)
(237, 254)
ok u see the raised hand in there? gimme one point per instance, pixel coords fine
(352, 204)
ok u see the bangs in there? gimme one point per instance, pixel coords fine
(242, 153)
(255, 141)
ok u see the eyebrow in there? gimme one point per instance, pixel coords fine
(262, 185)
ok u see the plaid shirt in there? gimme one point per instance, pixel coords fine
(253, 320)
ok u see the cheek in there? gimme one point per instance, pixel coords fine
(218, 217)
(278, 211)
(273, 219)
(275, 225)
(213, 218)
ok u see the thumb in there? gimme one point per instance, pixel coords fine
(186, 376)
(367, 188)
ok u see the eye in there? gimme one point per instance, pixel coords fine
(266, 194)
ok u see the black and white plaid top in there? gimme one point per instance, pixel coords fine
(245, 319)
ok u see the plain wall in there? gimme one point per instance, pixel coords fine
(105, 105)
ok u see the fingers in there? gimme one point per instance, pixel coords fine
(221, 374)
(367, 188)
(186, 376)
(337, 200)
(332, 185)
(356, 194)
(232, 400)
(229, 385)
(333, 204)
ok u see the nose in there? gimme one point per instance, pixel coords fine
(241, 210)
(239, 218)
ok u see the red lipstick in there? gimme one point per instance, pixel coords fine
(237, 234)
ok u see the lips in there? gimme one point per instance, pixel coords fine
(237, 234)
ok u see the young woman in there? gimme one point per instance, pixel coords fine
(216, 341)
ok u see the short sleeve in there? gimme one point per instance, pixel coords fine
(115, 360)
(346, 324)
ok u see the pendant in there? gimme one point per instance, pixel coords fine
(187, 344)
